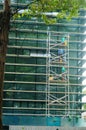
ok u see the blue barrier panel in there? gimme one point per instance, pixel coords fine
(10, 120)
(24, 120)
(31, 120)
(53, 121)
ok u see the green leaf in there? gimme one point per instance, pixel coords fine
(67, 9)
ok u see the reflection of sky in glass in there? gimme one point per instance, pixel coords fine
(84, 99)
(84, 57)
(84, 65)
(84, 82)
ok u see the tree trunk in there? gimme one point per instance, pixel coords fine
(4, 30)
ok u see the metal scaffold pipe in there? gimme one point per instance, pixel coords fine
(58, 74)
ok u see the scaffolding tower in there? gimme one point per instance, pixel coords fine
(57, 75)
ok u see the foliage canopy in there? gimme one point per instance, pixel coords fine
(62, 8)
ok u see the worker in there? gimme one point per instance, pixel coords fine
(63, 69)
(61, 51)
(60, 59)
(63, 73)
(50, 78)
(64, 41)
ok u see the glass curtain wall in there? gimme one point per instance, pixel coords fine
(25, 69)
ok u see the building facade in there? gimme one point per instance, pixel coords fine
(45, 72)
